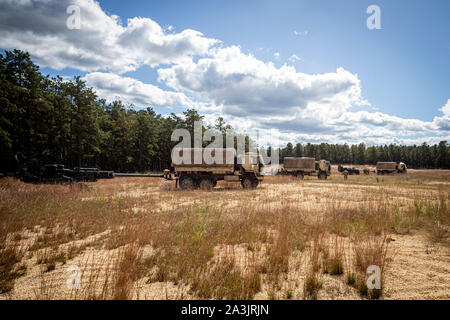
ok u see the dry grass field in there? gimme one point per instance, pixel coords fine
(139, 238)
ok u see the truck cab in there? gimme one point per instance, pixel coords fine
(323, 168)
(251, 162)
(401, 167)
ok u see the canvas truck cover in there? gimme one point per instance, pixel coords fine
(386, 165)
(300, 163)
(204, 157)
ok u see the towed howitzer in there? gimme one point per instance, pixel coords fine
(58, 173)
(34, 172)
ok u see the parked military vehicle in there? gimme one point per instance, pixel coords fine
(349, 170)
(390, 167)
(304, 166)
(32, 172)
(35, 172)
(202, 167)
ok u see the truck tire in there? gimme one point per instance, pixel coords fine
(299, 175)
(248, 182)
(187, 183)
(322, 176)
(206, 183)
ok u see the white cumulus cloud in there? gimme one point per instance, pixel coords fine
(223, 81)
(101, 43)
(294, 58)
(246, 86)
(251, 93)
(111, 86)
(443, 122)
(300, 33)
(446, 109)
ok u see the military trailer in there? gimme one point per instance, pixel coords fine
(304, 166)
(390, 167)
(202, 167)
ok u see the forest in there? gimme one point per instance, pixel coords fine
(52, 120)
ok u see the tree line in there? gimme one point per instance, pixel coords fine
(50, 120)
(422, 156)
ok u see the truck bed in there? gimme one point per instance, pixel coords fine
(302, 164)
(386, 165)
(216, 160)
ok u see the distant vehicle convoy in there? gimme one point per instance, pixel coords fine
(390, 167)
(303, 166)
(205, 172)
(381, 168)
(201, 168)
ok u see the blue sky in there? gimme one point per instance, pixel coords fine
(348, 83)
(404, 67)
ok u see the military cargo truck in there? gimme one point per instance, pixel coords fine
(304, 166)
(202, 167)
(390, 167)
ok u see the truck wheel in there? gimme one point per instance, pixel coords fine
(299, 175)
(186, 183)
(248, 182)
(206, 183)
(322, 176)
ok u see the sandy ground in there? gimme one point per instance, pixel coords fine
(417, 269)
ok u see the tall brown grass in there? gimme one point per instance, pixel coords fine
(186, 231)
(9, 256)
